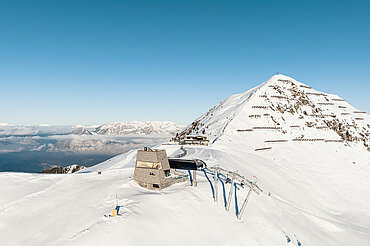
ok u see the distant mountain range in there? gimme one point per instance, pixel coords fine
(115, 128)
(133, 127)
(112, 138)
(28, 130)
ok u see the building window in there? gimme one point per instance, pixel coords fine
(155, 186)
(148, 164)
(167, 173)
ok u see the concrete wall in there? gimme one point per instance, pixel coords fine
(146, 177)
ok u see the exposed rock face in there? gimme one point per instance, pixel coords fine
(81, 131)
(63, 170)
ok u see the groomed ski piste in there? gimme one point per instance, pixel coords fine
(315, 192)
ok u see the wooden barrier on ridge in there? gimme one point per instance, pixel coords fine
(305, 86)
(285, 80)
(322, 127)
(265, 107)
(338, 99)
(334, 140)
(244, 130)
(276, 141)
(315, 94)
(308, 139)
(267, 148)
(266, 128)
(322, 115)
(280, 97)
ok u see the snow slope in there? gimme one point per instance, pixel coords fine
(319, 191)
(293, 108)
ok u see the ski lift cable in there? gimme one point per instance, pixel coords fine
(224, 178)
(240, 178)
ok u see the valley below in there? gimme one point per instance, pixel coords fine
(34, 149)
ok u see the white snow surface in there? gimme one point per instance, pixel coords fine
(316, 192)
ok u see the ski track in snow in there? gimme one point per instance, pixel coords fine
(360, 229)
(127, 208)
(27, 197)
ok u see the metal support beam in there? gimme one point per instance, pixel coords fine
(191, 178)
(223, 190)
(245, 203)
(195, 183)
(216, 185)
(210, 183)
(236, 202)
(230, 192)
(239, 177)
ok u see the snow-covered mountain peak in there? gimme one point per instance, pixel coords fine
(283, 108)
(81, 131)
(138, 127)
(282, 81)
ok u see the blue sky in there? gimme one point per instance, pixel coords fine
(91, 62)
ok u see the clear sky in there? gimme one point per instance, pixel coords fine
(91, 62)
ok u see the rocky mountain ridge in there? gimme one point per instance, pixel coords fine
(64, 170)
(284, 109)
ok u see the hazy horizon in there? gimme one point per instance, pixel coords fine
(67, 63)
